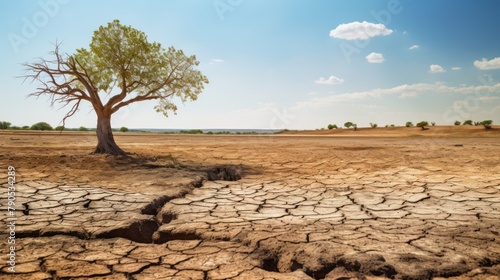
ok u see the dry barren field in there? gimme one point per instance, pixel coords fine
(304, 205)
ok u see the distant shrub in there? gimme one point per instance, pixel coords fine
(83, 128)
(5, 125)
(210, 132)
(409, 124)
(422, 124)
(348, 124)
(392, 125)
(457, 123)
(433, 123)
(487, 124)
(41, 126)
(373, 125)
(123, 129)
(477, 123)
(15, 128)
(332, 126)
(59, 128)
(26, 127)
(467, 122)
(192, 131)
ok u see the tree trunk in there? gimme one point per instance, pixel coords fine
(105, 140)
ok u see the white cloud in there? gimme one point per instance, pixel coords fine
(456, 68)
(404, 91)
(359, 30)
(375, 57)
(332, 80)
(414, 47)
(485, 64)
(434, 68)
(216, 61)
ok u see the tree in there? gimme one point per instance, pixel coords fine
(332, 126)
(487, 124)
(457, 123)
(5, 125)
(433, 123)
(422, 124)
(41, 126)
(59, 128)
(348, 124)
(119, 68)
(123, 129)
(83, 128)
(409, 124)
(468, 122)
(373, 125)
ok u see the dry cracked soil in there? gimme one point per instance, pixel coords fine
(252, 207)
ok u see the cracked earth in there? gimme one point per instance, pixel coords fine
(260, 207)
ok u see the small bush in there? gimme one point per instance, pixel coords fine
(59, 128)
(409, 124)
(433, 123)
(392, 125)
(83, 128)
(332, 126)
(457, 123)
(5, 125)
(487, 124)
(422, 124)
(26, 127)
(373, 125)
(192, 131)
(348, 124)
(123, 129)
(41, 126)
(15, 128)
(467, 122)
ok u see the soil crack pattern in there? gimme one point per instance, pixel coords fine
(307, 227)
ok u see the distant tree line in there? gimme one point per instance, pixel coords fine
(42, 126)
(423, 124)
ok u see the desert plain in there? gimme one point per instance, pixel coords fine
(385, 203)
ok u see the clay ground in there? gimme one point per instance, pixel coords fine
(322, 206)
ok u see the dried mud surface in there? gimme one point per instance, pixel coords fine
(253, 207)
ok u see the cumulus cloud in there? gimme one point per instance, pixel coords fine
(456, 68)
(332, 80)
(375, 57)
(486, 64)
(414, 47)
(359, 30)
(434, 68)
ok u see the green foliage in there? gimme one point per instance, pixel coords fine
(83, 128)
(373, 125)
(192, 131)
(5, 125)
(409, 124)
(422, 124)
(457, 123)
(59, 128)
(348, 124)
(41, 126)
(487, 124)
(392, 125)
(122, 53)
(332, 126)
(15, 128)
(123, 129)
(468, 122)
(26, 127)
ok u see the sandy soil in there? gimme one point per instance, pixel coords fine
(320, 205)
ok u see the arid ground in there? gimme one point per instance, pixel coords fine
(386, 203)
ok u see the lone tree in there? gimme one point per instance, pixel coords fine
(119, 68)
(423, 125)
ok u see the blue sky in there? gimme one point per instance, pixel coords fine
(278, 64)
